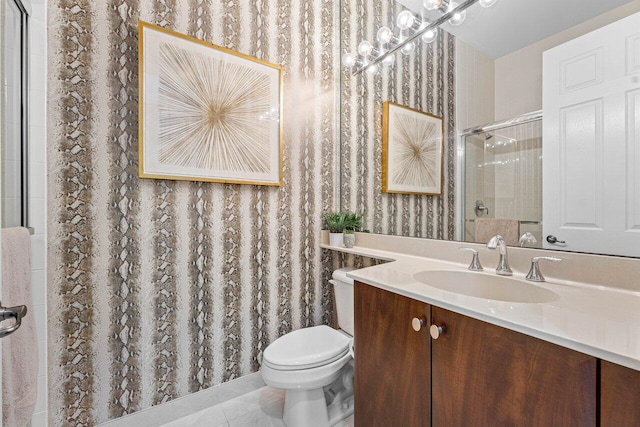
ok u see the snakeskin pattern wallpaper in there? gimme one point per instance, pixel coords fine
(158, 289)
(424, 80)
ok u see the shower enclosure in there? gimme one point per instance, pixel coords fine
(13, 113)
(502, 175)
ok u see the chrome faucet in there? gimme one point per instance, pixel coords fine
(475, 260)
(503, 268)
(527, 239)
(534, 274)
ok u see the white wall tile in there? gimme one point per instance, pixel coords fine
(38, 214)
(40, 315)
(38, 287)
(38, 252)
(37, 180)
(39, 419)
(42, 359)
(36, 47)
(42, 395)
(37, 81)
(37, 192)
(37, 137)
(37, 108)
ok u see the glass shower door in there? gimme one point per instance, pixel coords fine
(13, 113)
(503, 181)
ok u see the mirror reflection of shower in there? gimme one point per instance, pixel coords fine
(503, 181)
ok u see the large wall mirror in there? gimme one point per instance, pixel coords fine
(539, 103)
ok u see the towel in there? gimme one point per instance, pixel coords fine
(20, 349)
(509, 229)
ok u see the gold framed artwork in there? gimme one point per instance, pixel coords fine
(411, 150)
(207, 113)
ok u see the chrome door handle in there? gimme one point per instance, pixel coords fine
(17, 312)
(554, 240)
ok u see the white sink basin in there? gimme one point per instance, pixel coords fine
(486, 286)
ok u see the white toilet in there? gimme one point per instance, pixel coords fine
(315, 365)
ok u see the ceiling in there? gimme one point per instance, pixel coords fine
(510, 25)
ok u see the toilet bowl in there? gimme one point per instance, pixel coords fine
(315, 366)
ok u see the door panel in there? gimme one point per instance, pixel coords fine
(619, 396)
(485, 375)
(591, 142)
(392, 361)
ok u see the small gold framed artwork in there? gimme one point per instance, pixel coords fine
(411, 151)
(207, 113)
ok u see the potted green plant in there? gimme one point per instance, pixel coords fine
(335, 222)
(353, 224)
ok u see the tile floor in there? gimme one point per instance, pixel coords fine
(245, 401)
(261, 407)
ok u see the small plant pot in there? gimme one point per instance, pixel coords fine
(336, 239)
(349, 240)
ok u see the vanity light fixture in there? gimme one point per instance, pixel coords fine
(429, 36)
(458, 17)
(442, 5)
(384, 35)
(407, 20)
(487, 3)
(408, 48)
(410, 27)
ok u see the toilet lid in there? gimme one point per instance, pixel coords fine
(306, 348)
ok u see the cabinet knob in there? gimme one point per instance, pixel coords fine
(435, 331)
(417, 324)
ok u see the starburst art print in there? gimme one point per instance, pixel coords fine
(207, 113)
(412, 151)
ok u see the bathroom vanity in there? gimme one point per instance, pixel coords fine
(564, 352)
(476, 371)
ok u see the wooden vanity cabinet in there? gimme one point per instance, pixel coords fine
(619, 396)
(392, 374)
(486, 375)
(474, 373)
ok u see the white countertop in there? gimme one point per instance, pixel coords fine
(600, 321)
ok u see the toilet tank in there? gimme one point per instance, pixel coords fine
(343, 288)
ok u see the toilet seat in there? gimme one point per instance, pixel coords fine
(306, 348)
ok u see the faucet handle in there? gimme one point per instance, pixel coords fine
(475, 261)
(534, 274)
(495, 241)
(527, 238)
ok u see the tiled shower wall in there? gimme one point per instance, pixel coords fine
(158, 289)
(424, 80)
(38, 193)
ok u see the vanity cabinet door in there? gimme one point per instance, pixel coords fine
(619, 396)
(485, 375)
(392, 360)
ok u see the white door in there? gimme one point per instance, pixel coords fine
(591, 148)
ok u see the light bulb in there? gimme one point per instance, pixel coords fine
(429, 36)
(384, 35)
(348, 60)
(372, 70)
(487, 3)
(405, 20)
(458, 17)
(364, 48)
(389, 60)
(408, 48)
(431, 4)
